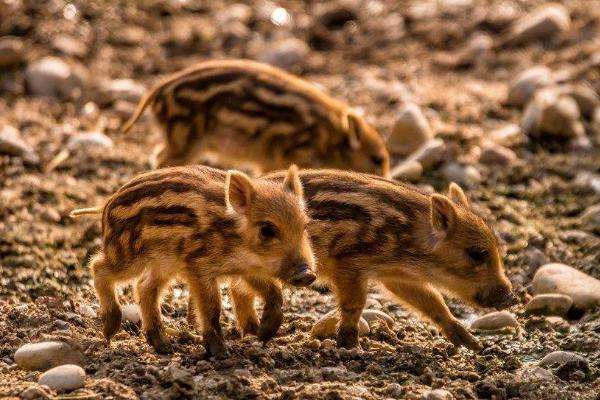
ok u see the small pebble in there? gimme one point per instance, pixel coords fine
(123, 89)
(438, 394)
(496, 320)
(410, 170)
(494, 154)
(286, 53)
(509, 135)
(549, 304)
(12, 144)
(464, 175)
(64, 378)
(411, 130)
(52, 77)
(86, 139)
(11, 51)
(45, 355)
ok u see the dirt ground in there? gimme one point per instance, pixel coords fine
(375, 54)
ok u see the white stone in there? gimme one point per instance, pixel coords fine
(551, 113)
(583, 289)
(495, 321)
(410, 170)
(560, 357)
(525, 85)
(327, 325)
(64, 378)
(543, 23)
(376, 315)
(464, 175)
(52, 77)
(549, 304)
(86, 140)
(12, 144)
(411, 130)
(123, 89)
(286, 53)
(131, 313)
(44, 355)
(494, 154)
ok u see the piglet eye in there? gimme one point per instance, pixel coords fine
(377, 160)
(267, 231)
(477, 256)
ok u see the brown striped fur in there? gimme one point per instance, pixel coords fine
(247, 113)
(199, 224)
(364, 228)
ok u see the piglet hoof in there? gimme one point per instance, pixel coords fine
(269, 325)
(159, 341)
(347, 337)
(111, 323)
(460, 336)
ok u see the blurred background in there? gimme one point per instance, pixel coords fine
(499, 96)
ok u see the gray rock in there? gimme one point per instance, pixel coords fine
(525, 85)
(549, 304)
(11, 52)
(286, 53)
(64, 378)
(326, 326)
(560, 357)
(52, 77)
(123, 89)
(494, 154)
(533, 373)
(496, 320)
(131, 313)
(411, 131)
(551, 113)
(464, 175)
(377, 315)
(544, 23)
(12, 144)
(44, 355)
(557, 278)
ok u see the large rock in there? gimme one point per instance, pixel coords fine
(551, 113)
(543, 23)
(64, 378)
(496, 320)
(411, 131)
(327, 325)
(583, 289)
(12, 144)
(549, 304)
(44, 355)
(525, 85)
(52, 77)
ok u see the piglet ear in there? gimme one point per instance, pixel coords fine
(457, 195)
(443, 215)
(239, 191)
(351, 125)
(292, 181)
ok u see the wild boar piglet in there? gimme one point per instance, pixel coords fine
(417, 245)
(199, 224)
(245, 113)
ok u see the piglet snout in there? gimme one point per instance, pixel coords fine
(302, 276)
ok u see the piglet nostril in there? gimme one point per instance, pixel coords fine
(302, 276)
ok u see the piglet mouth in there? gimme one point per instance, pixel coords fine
(301, 276)
(498, 300)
